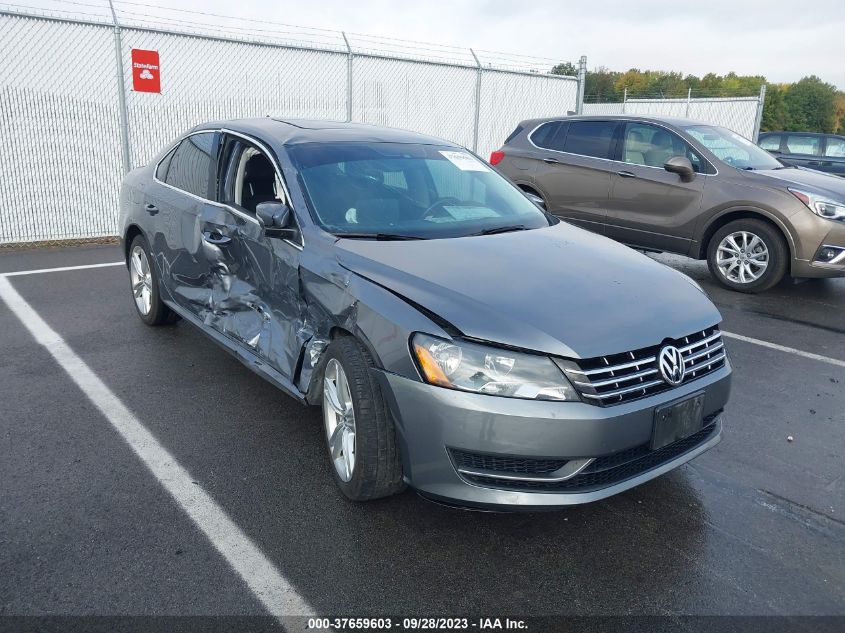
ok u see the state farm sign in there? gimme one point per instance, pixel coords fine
(145, 71)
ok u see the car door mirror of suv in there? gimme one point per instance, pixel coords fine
(275, 218)
(682, 166)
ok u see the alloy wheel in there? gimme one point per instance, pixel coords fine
(339, 418)
(142, 280)
(742, 257)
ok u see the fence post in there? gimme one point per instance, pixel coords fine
(121, 92)
(758, 120)
(477, 114)
(624, 99)
(582, 81)
(689, 99)
(348, 77)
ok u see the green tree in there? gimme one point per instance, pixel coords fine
(601, 86)
(839, 112)
(775, 115)
(810, 105)
(565, 68)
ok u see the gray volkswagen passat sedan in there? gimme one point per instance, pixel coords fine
(459, 340)
(685, 187)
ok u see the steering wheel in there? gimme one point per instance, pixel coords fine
(440, 203)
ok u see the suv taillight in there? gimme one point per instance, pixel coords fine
(497, 157)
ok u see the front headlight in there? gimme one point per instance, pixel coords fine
(489, 370)
(821, 206)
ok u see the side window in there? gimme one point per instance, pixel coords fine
(542, 136)
(161, 170)
(771, 143)
(590, 138)
(797, 144)
(249, 177)
(650, 145)
(190, 166)
(835, 147)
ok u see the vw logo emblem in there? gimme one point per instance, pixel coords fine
(671, 364)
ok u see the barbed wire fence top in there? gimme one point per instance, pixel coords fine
(59, 87)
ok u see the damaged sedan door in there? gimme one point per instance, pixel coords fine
(254, 263)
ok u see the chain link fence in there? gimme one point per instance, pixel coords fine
(743, 115)
(63, 101)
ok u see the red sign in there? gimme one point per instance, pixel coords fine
(145, 71)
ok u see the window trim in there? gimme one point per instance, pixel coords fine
(827, 139)
(613, 160)
(821, 145)
(223, 205)
(683, 140)
(277, 167)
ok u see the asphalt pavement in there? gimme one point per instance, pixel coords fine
(755, 526)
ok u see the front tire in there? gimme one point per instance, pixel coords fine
(144, 284)
(748, 256)
(360, 436)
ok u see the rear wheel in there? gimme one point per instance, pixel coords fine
(144, 285)
(748, 255)
(360, 436)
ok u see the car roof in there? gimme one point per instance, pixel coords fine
(298, 131)
(678, 122)
(782, 132)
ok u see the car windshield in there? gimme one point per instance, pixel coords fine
(732, 148)
(395, 190)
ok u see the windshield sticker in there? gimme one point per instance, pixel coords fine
(464, 161)
(470, 213)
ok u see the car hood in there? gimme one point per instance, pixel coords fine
(559, 290)
(817, 181)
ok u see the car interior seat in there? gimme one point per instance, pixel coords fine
(259, 183)
(660, 150)
(635, 147)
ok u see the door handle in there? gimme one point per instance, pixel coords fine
(626, 174)
(216, 238)
(150, 208)
(551, 161)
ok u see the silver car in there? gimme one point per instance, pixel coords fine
(458, 339)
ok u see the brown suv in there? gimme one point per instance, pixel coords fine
(685, 187)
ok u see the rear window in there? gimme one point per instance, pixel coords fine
(590, 138)
(799, 144)
(543, 135)
(190, 166)
(770, 143)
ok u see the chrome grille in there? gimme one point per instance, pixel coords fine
(610, 380)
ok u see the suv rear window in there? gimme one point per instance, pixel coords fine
(591, 138)
(543, 135)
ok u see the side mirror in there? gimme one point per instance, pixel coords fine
(275, 218)
(536, 200)
(682, 166)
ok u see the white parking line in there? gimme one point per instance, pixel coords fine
(788, 350)
(260, 575)
(59, 270)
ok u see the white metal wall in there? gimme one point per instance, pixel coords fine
(508, 98)
(61, 150)
(739, 114)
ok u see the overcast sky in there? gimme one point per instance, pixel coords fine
(781, 39)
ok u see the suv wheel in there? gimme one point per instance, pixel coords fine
(748, 256)
(359, 431)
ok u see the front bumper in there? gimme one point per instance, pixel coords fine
(815, 232)
(435, 424)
